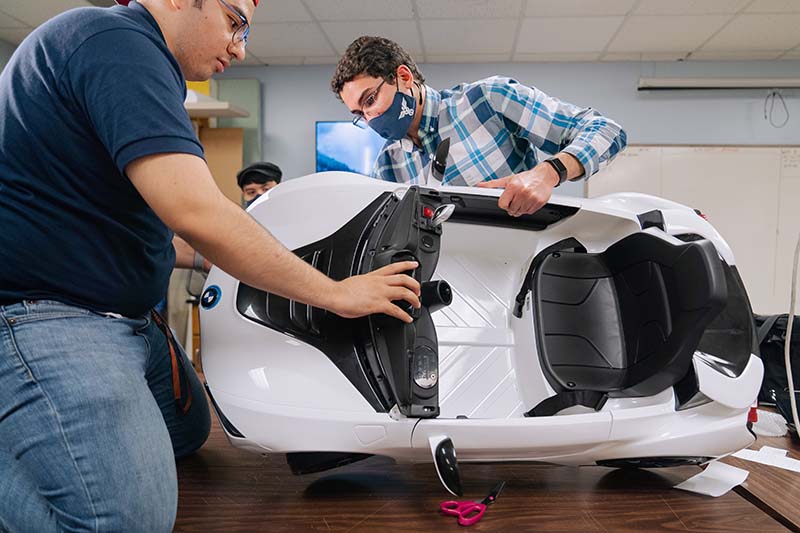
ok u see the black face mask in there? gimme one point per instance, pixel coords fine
(250, 202)
(393, 123)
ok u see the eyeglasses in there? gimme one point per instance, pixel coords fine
(367, 103)
(239, 24)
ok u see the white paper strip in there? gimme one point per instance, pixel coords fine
(717, 479)
(770, 456)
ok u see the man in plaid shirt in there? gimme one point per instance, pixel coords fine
(495, 126)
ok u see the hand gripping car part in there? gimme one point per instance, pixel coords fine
(612, 331)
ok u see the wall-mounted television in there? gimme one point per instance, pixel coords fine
(341, 145)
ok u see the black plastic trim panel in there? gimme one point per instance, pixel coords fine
(483, 210)
(310, 462)
(652, 219)
(731, 336)
(229, 428)
(654, 462)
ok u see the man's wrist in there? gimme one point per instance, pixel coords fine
(328, 296)
(198, 262)
(550, 175)
(559, 169)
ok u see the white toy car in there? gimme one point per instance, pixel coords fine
(612, 331)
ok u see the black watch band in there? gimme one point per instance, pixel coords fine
(559, 168)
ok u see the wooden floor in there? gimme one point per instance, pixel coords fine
(223, 489)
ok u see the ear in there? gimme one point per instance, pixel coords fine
(405, 77)
(176, 5)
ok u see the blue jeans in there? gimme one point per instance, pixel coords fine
(89, 431)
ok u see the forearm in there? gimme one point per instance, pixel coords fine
(596, 140)
(184, 254)
(180, 189)
(574, 167)
(236, 243)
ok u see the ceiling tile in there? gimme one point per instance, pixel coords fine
(250, 60)
(321, 60)
(14, 35)
(548, 35)
(664, 56)
(735, 55)
(650, 56)
(763, 32)
(689, 7)
(7, 21)
(288, 39)
(325, 10)
(555, 57)
(462, 9)
(578, 8)
(444, 37)
(470, 58)
(281, 11)
(621, 56)
(774, 6)
(666, 33)
(283, 60)
(34, 13)
(403, 32)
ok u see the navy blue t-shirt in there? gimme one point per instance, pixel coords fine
(84, 95)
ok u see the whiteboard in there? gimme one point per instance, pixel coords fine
(751, 194)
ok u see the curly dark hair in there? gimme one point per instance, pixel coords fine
(374, 56)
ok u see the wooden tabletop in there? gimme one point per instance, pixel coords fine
(774, 490)
(223, 489)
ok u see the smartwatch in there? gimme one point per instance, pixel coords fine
(197, 263)
(559, 168)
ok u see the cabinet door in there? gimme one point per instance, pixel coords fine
(223, 150)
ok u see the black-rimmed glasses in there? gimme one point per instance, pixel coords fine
(241, 28)
(367, 103)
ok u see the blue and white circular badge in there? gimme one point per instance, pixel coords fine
(211, 297)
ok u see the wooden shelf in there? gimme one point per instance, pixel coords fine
(214, 109)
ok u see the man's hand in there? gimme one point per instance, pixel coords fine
(528, 191)
(525, 192)
(374, 292)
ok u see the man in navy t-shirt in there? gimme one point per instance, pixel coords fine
(99, 164)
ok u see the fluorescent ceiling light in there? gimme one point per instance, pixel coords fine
(694, 84)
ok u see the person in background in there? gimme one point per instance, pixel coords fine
(495, 126)
(256, 179)
(99, 168)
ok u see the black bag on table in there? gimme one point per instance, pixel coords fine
(771, 338)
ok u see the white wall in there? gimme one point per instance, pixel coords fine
(6, 49)
(296, 97)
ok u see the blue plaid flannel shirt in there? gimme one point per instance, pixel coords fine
(495, 126)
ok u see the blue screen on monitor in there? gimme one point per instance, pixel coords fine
(344, 146)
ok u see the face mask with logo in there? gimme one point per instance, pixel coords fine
(393, 123)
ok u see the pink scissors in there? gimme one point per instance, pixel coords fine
(470, 512)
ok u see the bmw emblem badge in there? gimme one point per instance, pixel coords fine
(210, 297)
